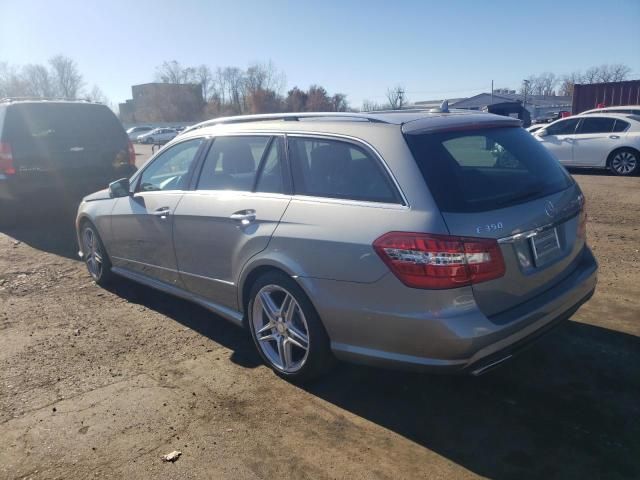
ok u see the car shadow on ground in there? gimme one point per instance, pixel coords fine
(51, 229)
(194, 317)
(565, 408)
(569, 407)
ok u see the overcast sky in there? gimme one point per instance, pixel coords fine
(435, 49)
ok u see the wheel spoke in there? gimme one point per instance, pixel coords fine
(269, 337)
(286, 352)
(97, 256)
(281, 354)
(268, 326)
(298, 338)
(288, 308)
(268, 307)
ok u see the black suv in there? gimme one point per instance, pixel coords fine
(58, 150)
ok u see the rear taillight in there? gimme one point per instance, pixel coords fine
(423, 260)
(6, 159)
(132, 154)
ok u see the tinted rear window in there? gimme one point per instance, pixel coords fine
(60, 125)
(480, 170)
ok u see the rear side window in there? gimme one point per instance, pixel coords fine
(487, 169)
(232, 163)
(565, 127)
(620, 126)
(59, 126)
(336, 169)
(596, 125)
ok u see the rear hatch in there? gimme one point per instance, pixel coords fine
(63, 145)
(493, 180)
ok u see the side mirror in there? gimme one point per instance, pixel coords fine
(119, 188)
(542, 132)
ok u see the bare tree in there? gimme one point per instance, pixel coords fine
(66, 78)
(37, 81)
(619, 72)
(318, 100)
(567, 83)
(296, 100)
(204, 77)
(370, 106)
(96, 95)
(173, 72)
(546, 83)
(396, 97)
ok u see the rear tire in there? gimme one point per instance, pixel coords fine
(95, 256)
(287, 330)
(624, 162)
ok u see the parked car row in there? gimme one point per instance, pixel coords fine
(594, 140)
(147, 134)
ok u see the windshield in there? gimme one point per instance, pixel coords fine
(479, 170)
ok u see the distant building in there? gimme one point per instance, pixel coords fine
(163, 102)
(539, 106)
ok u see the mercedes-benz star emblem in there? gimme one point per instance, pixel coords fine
(550, 209)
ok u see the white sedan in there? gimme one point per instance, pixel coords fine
(595, 140)
(158, 136)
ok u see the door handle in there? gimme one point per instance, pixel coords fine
(614, 137)
(162, 212)
(245, 217)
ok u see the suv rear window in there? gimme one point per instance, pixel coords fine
(63, 125)
(480, 170)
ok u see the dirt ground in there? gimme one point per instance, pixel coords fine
(100, 383)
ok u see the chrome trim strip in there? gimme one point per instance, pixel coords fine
(533, 232)
(145, 264)
(175, 271)
(207, 278)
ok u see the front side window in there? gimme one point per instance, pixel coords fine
(170, 170)
(565, 127)
(232, 163)
(337, 169)
(596, 125)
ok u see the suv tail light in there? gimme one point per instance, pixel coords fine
(422, 260)
(6, 159)
(132, 154)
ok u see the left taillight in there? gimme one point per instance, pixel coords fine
(421, 260)
(132, 154)
(6, 159)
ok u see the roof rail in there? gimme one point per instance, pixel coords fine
(292, 117)
(48, 99)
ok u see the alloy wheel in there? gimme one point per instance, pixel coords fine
(280, 328)
(92, 253)
(624, 163)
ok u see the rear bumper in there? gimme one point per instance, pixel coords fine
(388, 324)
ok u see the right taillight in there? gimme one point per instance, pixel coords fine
(582, 218)
(422, 260)
(6, 159)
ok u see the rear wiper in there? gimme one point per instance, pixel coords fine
(521, 197)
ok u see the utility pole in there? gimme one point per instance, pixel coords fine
(491, 92)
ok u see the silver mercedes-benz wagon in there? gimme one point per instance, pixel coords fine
(440, 240)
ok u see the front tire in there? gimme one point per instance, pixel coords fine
(95, 256)
(624, 162)
(287, 330)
